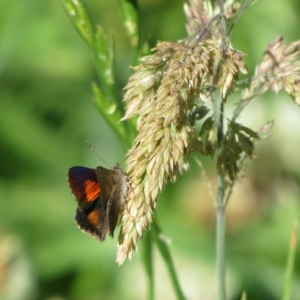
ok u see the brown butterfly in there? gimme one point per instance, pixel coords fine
(100, 194)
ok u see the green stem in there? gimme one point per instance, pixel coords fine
(220, 240)
(221, 206)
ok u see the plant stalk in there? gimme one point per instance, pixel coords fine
(221, 206)
(220, 243)
(220, 227)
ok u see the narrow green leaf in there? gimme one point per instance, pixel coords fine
(102, 51)
(109, 112)
(248, 131)
(244, 296)
(290, 264)
(129, 9)
(207, 125)
(148, 262)
(130, 15)
(103, 56)
(79, 15)
(166, 255)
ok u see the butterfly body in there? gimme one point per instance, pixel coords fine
(100, 194)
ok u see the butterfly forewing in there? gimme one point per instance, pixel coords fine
(84, 185)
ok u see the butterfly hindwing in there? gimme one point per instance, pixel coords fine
(114, 189)
(89, 221)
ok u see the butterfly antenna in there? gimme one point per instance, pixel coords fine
(90, 146)
(126, 155)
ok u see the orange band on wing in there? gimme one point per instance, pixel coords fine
(91, 190)
(84, 185)
(94, 217)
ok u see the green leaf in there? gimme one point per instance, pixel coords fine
(130, 15)
(78, 13)
(104, 61)
(129, 9)
(165, 252)
(148, 262)
(104, 55)
(290, 264)
(244, 296)
(109, 112)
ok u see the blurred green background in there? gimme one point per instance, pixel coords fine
(47, 114)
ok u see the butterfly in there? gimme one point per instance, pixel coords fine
(100, 195)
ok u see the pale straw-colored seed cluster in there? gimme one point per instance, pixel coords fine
(231, 66)
(279, 70)
(163, 91)
(166, 90)
(200, 12)
(280, 67)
